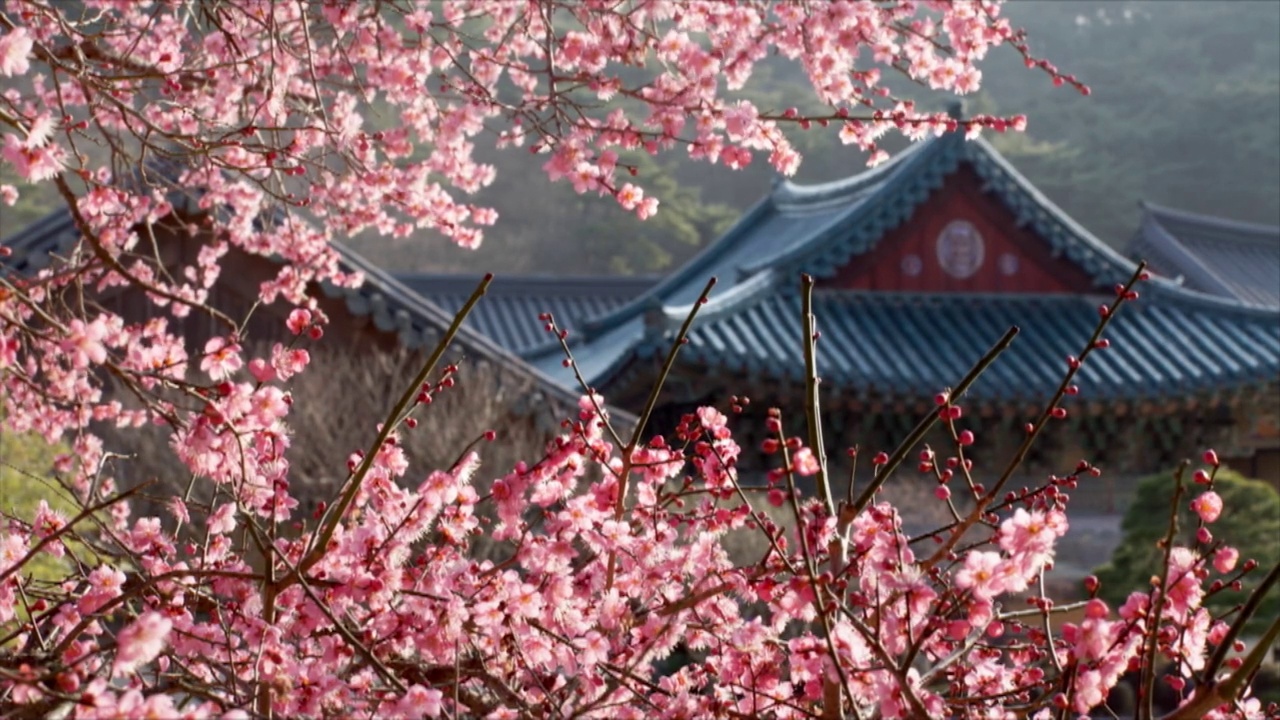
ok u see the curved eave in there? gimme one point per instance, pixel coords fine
(1262, 232)
(428, 284)
(511, 313)
(893, 198)
(785, 197)
(599, 359)
(1235, 260)
(791, 195)
(1158, 287)
(696, 267)
(417, 323)
(751, 290)
(1161, 247)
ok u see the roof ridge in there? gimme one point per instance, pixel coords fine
(1157, 240)
(819, 244)
(1110, 263)
(692, 267)
(1210, 221)
(790, 193)
(506, 284)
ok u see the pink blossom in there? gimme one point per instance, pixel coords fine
(419, 702)
(804, 462)
(630, 196)
(221, 359)
(981, 574)
(105, 584)
(84, 343)
(1225, 559)
(647, 208)
(288, 362)
(223, 520)
(15, 52)
(178, 509)
(1184, 591)
(12, 549)
(299, 320)
(1208, 505)
(140, 642)
(261, 370)
(32, 163)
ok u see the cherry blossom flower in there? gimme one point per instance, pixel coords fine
(981, 574)
(299, 320)
(105, 584)
(140, 642)
(1225, 559)
(804, 462)
(1208, 505)
(223, 520)
(84, 343)
(15, 52)
(221, 359)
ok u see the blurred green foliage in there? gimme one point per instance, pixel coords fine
(26, 478)
(1250, 522)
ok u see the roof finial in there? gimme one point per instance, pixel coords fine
(654, 317)
(955, 109)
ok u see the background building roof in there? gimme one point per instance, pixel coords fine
(511, 308)
(1213, 255)
(391, 307)
(1172, 342)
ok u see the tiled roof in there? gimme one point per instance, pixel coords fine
(36, 245)
(905, 345)
(509, 312)
(391, 306)
(1212, 255)
(1173, 341)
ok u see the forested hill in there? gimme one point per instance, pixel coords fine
(1185, 112)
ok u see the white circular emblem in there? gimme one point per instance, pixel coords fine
(1009, 264)
(912, 265)
(960, 249)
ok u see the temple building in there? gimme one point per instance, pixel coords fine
(921, 265)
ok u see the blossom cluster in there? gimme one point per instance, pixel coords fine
(272, 129)
(610, 564)
(322, 111)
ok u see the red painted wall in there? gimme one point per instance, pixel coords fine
(916, 257)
